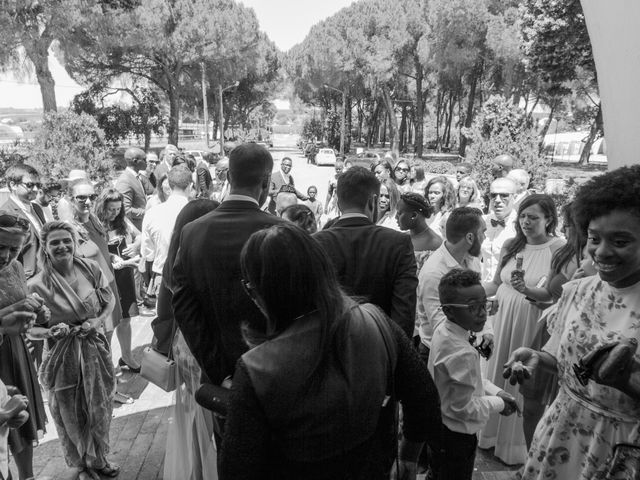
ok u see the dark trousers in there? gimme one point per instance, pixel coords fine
(455, 459)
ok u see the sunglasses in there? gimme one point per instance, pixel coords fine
(9, 221)
(32, 185)
(476, 307)
(503, 196)
(84, 198)
(405, 170)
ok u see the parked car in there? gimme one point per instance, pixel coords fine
(197, 154)
(567, 147)
(326, 156)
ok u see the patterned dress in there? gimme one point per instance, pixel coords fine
(576, 436)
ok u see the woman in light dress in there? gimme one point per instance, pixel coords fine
(515, 322)
(577, 435)
(387, 204)
(191, 451)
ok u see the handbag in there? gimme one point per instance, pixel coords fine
(160, 369)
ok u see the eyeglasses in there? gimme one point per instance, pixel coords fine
(84, 198)
(32, 185)
(475, 307)
(9, 221)
(503, 196)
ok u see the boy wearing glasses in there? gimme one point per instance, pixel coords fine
(467, 399)
(24, 182)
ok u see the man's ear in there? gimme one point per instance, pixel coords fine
(470, 238)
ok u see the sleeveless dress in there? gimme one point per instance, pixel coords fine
(125, 279)
(16, 364)
(514, 326)
(575, 437)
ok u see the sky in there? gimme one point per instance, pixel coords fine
(286, 22)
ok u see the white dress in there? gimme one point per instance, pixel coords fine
(514, 326)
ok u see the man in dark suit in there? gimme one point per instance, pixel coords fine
(130, 186)
(24, 182)
(373, 262)
(209, 302)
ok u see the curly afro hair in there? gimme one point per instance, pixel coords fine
(615, 190)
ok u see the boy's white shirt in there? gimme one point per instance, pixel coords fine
(466, 399)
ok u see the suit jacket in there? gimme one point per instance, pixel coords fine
(135, 200)
(209, 302)
(29, 255)
(277, 181)
(374, 263)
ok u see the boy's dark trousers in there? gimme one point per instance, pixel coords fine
(455, 459)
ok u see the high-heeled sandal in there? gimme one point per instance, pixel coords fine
(122, 363)
(109, 470)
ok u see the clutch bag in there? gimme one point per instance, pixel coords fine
(159, 369)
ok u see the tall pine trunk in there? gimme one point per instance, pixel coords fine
(38, 52)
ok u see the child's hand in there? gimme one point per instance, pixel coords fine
(18, 420)
(510, 404)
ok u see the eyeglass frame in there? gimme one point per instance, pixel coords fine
(472, 307)
(405, 170)
(93, 197)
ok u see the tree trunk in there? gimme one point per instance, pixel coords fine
(38, 53)
(545, 129)
(403, 129)
(596, 127)
(393, 123)
(173, 128)
(468, 120)
(419, 117)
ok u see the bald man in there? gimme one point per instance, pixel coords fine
(131, 187)
(167, 157)
(500, 224)
(502, 165)
(522, 179)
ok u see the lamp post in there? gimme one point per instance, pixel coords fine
(343, 121)
(220, 92)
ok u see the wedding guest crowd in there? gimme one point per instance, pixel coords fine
(393, 332)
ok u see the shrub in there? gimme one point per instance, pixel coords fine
(439, 168)
(69, 141)
(500, 128)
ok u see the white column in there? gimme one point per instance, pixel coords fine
(614, 29)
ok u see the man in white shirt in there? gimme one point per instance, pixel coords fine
(500, 224)
(522, 179)
(466, 399)
(465, 232)
(160, 219)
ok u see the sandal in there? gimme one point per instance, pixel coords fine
(109, 470)
(85, 473)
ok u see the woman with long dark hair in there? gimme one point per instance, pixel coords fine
(524, 263)
(124, 245)
(387, 204)
(441, 195)
(308, 399)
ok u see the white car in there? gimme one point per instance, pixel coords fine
(197, 154)
(326, 156)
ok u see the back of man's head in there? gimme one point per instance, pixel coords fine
(179, 178)
(355, 188)
(462, 221)
(285, 199)
(521, 178)
(249, 163)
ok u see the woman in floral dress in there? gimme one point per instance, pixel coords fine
(576, 437)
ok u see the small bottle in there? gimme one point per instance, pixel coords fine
(519, 261)
(518, 272)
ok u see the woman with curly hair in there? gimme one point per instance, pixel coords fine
(412, 214)
(442, 198)
(124, 245)
(524, 263)
(388, 203)
(595, 332)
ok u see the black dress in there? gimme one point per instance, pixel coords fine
(124, 279)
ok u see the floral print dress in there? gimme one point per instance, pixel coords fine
(576, 436)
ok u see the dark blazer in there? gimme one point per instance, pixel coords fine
(29, 255)
(209, 302)
(135, 200)
(376, 264)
